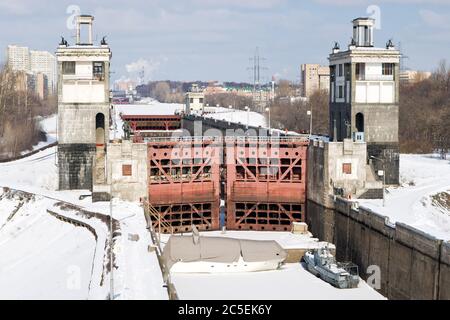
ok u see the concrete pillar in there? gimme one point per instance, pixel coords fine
(90, 34)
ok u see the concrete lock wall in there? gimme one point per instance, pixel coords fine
(413, 264)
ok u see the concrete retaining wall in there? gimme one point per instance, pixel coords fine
(413, 264)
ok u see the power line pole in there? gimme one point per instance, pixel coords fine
(257, 89)
(111, 255)
(402, 58)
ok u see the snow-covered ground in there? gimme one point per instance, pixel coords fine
(137, 276)
(238, 116)
(49, 126)
(292, 282)
(42, 257)
(423, 199)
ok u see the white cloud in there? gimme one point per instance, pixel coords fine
(434, 19)
(149, 67)
(251, 4)
(15, 7)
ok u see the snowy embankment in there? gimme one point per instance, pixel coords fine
(423, 199)
(41, 256)
(137, 274)
(48, 125)
(251, 118)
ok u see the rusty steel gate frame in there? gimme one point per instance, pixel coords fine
(265, 185)
(184, 183)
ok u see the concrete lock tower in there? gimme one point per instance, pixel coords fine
(194, 100)
(364, 97)
(83, 108)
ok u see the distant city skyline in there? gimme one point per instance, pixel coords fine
(214, 40)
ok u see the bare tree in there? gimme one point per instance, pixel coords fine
(162, 91)
(18, 123)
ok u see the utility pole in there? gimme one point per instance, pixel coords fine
(384, 178)
(270, 127)
(256, 69)
(111, 231)
(402, 58)
(248, 116)
(310, 113)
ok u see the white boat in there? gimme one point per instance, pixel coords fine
(220, 267)
(195, 254)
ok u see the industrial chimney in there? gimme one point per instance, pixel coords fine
(363, 32)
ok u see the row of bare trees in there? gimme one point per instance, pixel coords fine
(425, 113)
(292, 114)
(19, 111)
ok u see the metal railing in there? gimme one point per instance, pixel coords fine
(374, 77)
(228, 139)
(156, 215)
(149, 212)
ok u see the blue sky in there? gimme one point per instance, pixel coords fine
(214, 39)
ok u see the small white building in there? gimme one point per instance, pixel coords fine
(194, 100)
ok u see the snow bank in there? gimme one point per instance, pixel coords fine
(253, 118)
(138, 274)
(422, 177)
(42, 257)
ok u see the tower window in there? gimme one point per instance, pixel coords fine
(127, 170)
(347, 69)
(360, 71)
(98, 71)
(388, 69)
(68, 67)
(332, 73)
(359, 119)
(341, 72)
(347, 168)
(341, 92)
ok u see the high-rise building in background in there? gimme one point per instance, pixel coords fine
(314, 78)
(34, 62)
(41, 85)
(18, 58)
(44, 62)
(412, 76)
